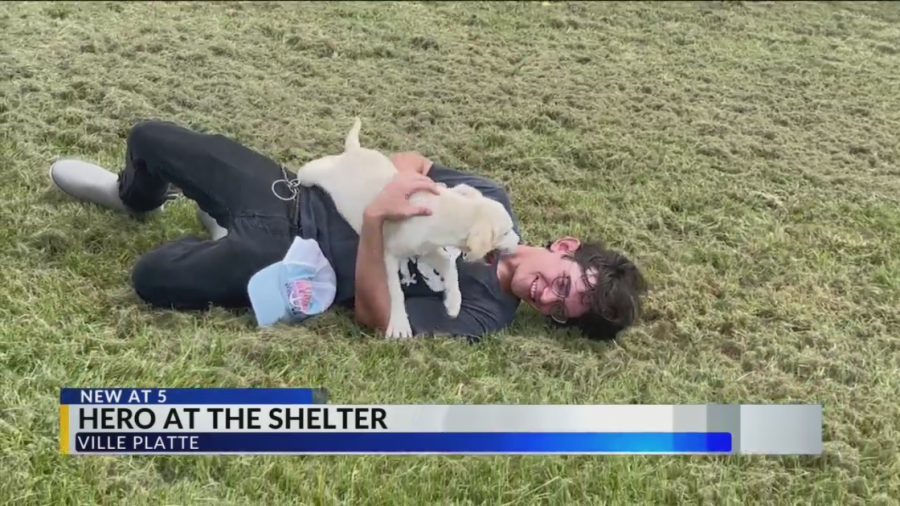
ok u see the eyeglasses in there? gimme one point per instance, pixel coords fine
(561, 286)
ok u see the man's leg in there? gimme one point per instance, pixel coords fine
(194, 274)
(231, 183)
(222, 176)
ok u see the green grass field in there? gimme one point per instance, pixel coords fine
(745, 155)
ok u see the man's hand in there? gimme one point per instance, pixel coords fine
(392, 203)
(411, 162)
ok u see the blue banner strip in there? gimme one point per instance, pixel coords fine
(404, 442)
(99, 396)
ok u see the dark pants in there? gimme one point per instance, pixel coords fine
(231, 183)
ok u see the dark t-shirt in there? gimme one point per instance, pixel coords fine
(485, 307)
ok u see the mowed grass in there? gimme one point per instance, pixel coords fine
(745, 155)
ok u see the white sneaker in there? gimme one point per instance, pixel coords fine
(89, 183)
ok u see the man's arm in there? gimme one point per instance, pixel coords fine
(371, 300)
(372, 304)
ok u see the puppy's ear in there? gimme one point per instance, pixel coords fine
(466, 191)
(480, 240)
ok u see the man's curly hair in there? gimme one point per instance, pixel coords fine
(614, 296)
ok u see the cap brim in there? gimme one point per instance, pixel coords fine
(265, 298)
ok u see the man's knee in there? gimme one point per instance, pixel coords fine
(158, 283)
(148, 134)
(194, 274)
(149, 281)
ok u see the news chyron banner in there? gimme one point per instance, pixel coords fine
(292, 421)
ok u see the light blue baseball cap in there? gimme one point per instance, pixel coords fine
(301, 285)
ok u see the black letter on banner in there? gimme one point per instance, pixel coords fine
(378, 415)
(173, 414)
(215, 413)
(145, 425)
(84, 417)
(274, 414)
(253, 418)
(190, 412)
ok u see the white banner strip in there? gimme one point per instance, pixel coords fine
(393, 418)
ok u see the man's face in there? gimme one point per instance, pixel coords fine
(551, 282)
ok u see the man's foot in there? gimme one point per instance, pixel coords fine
(215, 231)
(89, 183)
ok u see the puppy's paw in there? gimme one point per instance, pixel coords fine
(453, 302)
(398, 328)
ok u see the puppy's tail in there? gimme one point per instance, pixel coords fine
(352, 141)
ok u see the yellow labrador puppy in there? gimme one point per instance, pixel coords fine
(461, 218)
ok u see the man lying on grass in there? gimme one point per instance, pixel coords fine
(574, 283)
